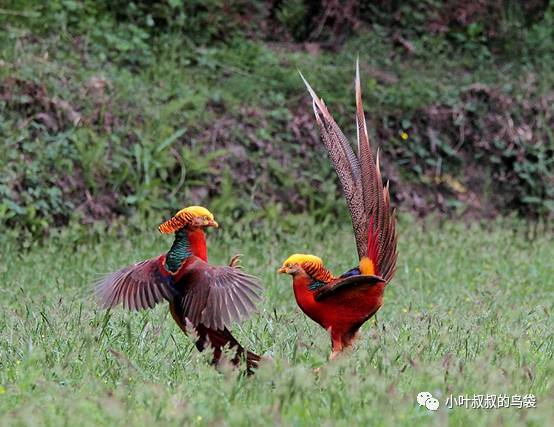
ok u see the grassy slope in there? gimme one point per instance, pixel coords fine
(469, 311)
(157, 119)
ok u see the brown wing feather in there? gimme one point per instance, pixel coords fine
(217, 296)
(346, 165)
(359, 282)
(136, 287)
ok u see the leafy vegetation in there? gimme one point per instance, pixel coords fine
(115, 107)
(469, 312)
(113, 114)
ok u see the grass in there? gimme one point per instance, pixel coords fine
(469, 312)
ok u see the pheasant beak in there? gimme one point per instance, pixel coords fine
(212, 223)
(283, 269)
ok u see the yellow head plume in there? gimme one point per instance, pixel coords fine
(185, 217)
(304, 258)
(311, 264)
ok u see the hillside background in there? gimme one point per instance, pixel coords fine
(116, 109)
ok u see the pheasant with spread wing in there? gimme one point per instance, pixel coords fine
(343, 304)
(202, 297)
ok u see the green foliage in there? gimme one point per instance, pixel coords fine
(538, 38)
(292, 14)
(110, 108)
(466, 313)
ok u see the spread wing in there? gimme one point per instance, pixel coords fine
(368, 200)
(217, 296)
(360, 283)
(136, 287)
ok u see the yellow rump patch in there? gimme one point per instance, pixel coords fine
(366, 266)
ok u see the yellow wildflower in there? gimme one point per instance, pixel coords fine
(404, 136)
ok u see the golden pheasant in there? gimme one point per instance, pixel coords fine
(201, 296)
(343, 304)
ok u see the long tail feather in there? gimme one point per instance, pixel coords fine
(368, 172)
(346, 165)
(368, 200)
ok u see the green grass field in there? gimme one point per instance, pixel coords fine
(468, 312)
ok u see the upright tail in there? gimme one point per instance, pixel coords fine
(367, 198)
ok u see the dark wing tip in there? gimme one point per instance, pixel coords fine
(135, 287)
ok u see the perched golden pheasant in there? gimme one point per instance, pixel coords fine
(343, 304)
(201, 296)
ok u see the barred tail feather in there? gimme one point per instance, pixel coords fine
(368, 200)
